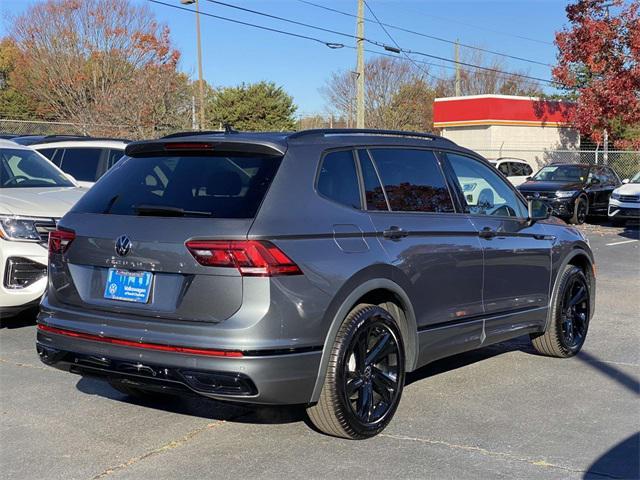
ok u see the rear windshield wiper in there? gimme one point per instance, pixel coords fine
(167, 211)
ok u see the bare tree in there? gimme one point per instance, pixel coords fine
(475, 81)
(392, 85)
(97, 62)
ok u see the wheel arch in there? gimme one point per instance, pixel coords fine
(580, 258)
(378, 291)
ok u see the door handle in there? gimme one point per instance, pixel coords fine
(487, 232)
(394, 232)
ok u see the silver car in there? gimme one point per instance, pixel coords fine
(311, 268)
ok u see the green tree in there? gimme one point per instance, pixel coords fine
(13, 104)
(253, 107)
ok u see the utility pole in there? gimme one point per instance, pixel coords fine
(606, 147)
(457, 58)
(193, 113)
(200, 79)
(360, 67)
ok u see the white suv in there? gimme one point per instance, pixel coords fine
(34, 194)
(84, 158)
(517, 171)
(624, 203)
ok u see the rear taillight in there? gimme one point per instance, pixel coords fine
(251, 257)
(59, 240)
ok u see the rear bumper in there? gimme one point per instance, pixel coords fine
(258, 378)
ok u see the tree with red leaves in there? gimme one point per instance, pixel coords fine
(97, 62)
(599, 65)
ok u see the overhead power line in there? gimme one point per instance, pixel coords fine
(343, 34)
(396, 43)
(247, 24)
(324, 7)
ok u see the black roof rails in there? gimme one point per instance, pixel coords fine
(368, 131)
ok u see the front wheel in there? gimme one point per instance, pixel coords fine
(579, 211)
(570, 313)
(365, 376)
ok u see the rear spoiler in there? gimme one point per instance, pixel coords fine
(203, 147)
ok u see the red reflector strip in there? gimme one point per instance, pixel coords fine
(188, 146)
(146, 346)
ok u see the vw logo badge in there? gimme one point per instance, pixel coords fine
(123, 246)
(536, 195)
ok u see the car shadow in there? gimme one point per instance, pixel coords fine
(468, 358)
(621, 461)
(631, 230)
(24, 319)
(197, 406)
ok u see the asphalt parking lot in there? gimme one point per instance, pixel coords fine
(500, 412)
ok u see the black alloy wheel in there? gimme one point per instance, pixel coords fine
(575, 312)
(569, 315)
(580, 213)
(370, 375)
(365, 375)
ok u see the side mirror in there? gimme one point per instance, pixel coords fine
(626, 180)
(538, 210)
(595, 181)
(529, 177)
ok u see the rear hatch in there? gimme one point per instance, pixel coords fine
(124, 247)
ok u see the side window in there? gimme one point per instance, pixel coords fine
(612, 178)
(520, 169)
(48, 152)
(82, 163)
(485, 192)
(114, 156)
(412, 180)
(338, 179)
(372, 188)
(504, 168)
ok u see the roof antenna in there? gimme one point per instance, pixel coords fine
(228, 128)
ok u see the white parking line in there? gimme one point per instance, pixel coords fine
(620, 243)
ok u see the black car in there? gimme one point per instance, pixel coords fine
(573, 190)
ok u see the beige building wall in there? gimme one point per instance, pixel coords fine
(535, 144)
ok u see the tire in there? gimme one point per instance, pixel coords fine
(375, 381)
(580, 210)
(568, 326)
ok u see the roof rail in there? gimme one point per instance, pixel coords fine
(196, 132)
(368, 131)
(79, 138)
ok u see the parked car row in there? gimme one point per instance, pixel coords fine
(314, 268)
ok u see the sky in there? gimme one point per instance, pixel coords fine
(234, 53)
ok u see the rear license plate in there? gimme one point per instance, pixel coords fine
(128, 286)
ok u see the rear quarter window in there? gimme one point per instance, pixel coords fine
(338, 179)
(217, 186)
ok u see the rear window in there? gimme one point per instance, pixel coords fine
(190, 186)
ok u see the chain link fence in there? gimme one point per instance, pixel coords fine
(625, 163)
(41, 127)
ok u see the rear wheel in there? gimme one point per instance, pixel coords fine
(570, 312)
(579, 211)
(365, 376)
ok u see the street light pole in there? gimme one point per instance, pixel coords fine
(200, 79)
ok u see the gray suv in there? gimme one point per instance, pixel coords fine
(312, 268)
